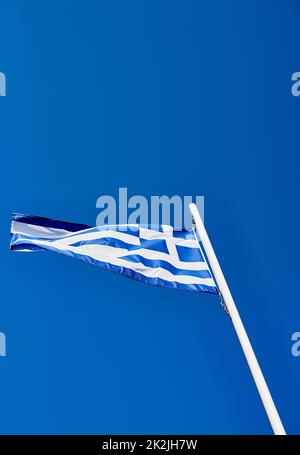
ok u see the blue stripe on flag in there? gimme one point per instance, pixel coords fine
(48, 222)
(156, 245)
(155, 263)
(187, 254)
(184, 235)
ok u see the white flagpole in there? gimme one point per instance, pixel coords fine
(258, 377)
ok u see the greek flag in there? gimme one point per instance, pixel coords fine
(157, 255)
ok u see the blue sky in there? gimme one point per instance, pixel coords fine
(168, 98)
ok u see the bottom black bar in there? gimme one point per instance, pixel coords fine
(124, 444)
